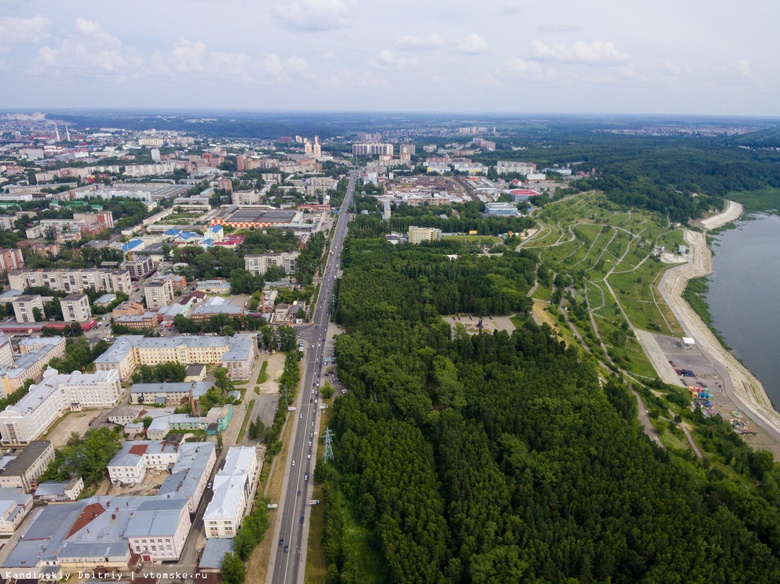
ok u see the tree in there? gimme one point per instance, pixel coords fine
(37, 314)
(233, 569)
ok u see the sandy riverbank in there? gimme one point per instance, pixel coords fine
(747, 391)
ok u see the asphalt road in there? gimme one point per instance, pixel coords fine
(289, 566)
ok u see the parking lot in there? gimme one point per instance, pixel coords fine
(691, 358)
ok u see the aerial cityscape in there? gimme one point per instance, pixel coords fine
(477, 295)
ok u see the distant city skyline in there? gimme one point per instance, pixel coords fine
(499, 56)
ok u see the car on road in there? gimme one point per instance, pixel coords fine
(281, 541)
(286, 549)
(305, 477)
(301, 518)
(293, 463)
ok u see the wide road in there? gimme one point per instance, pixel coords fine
(289, 559)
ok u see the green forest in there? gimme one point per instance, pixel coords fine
(500, 457)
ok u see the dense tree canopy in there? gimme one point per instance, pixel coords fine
(499, 458)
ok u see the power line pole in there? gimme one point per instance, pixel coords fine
(328, 454)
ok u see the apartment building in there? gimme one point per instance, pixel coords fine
(236, 353)
(171, 393)
(35, 354)
(191, 473)
(14, 507)
(139, 268)
(20, 469)
(24, 307)
(372, 149)
(259, 264)
(158, 294)
(95, 222)
(72, 281)
(514, 166)
(419, 234)
(233, 489)
(132, 461)
(23, 422)
(75, 308)
(11, 259)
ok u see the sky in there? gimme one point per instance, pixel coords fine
(489, 56)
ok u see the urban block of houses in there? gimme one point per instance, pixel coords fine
(190, 474)
(35, 353)
(237, 353)
(15, 504)
(72, 281)
(26, 420)
(109, 532)
(130, 464)
(20, 469)
(215, 421)
(59, 491)
(214, 306)
(233, 489)
(167, 393)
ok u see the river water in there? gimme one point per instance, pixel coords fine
(744, 296)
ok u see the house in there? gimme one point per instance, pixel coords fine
(59, 491)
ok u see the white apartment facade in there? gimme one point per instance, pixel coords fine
(23, 422)
(233, 489)
(236, 353)
(158, 294)
(514, 166)
(24, 307)
(259, 264)
(75, 308)
(132, 461)
(72, 281)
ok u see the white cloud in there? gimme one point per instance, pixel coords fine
(595, 53)
(512, 7)
(235, 65)
(91, 49)
(282, 70)
(188, 55)
(472, 45)
(387, 58)
(315, 15)
(413, 43)
(517, 66)
(670, 68)
(15, 30)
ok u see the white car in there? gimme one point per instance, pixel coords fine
(293, 463)
(300, 417)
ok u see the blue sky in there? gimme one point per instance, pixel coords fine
(562, 56)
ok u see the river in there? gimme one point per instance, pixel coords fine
(744, 296)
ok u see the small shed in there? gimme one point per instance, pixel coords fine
(688, 342)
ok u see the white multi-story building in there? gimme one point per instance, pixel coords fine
(237, 354)
(24, 307)
(233, 488)
(420, 234)
(373, 149)
(31, 416)
(35, 354)
(130, 464)
(75, 308)
(158, 294)
(14, 507)
(514, 166)
(259, 264)
(72, 281)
